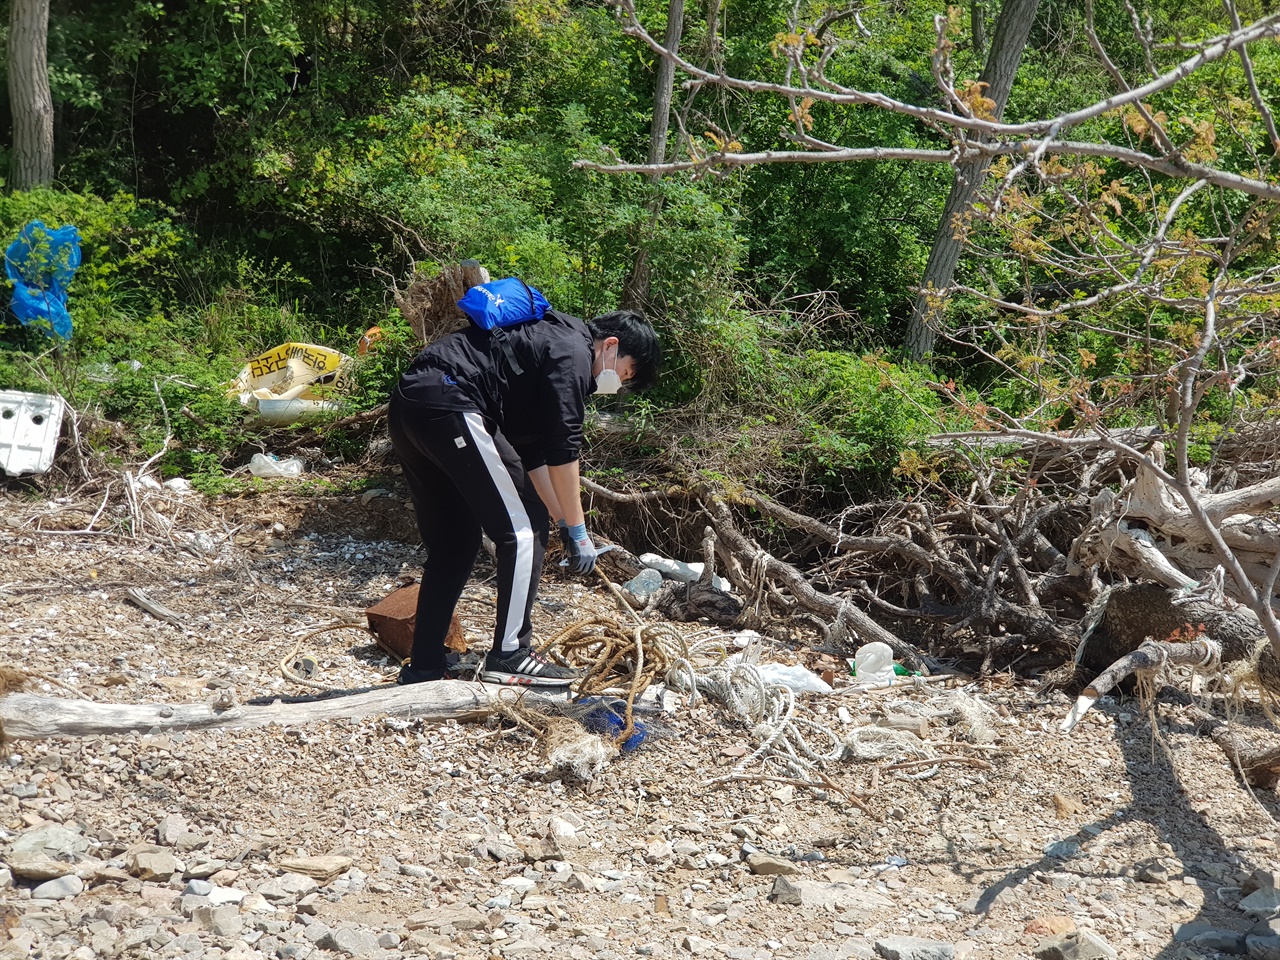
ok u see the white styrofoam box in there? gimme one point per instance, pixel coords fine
(29, 424)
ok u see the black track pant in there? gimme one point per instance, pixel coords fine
(465, 478)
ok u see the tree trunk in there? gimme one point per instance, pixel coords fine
(1013, 27)
(978, 27)
(29, 98)
(636, 288)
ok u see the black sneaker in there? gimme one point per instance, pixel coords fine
(411, 674)
(525, 668)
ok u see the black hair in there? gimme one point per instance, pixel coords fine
(636, 339)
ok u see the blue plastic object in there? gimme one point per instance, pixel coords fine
(608, 718)
(503, 303)
(41, 263)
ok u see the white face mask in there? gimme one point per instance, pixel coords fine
(608, 380)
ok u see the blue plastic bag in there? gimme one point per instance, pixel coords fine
(41, 263)
(503, 303)
(607, 717)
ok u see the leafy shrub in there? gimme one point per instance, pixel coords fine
(860, 414)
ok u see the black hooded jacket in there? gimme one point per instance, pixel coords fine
(540, 411)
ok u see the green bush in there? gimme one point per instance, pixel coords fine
(860, 414)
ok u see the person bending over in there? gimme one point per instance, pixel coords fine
(486, 449)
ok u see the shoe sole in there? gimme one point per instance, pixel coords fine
(520, 680)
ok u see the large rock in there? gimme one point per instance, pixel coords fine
(1261, 903)
(914, 948)
(61, 888)
(1077, 945)
(352, 941)
(169, 829)
(288, 886)
(767, 865)
(323, 869)
(458, 916)
(843, 897)
(51, 840)
(38, 866)
(152, 863)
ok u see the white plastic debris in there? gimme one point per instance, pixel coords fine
(874, 664)
(29, 424)
(680, 571)
(261, 465)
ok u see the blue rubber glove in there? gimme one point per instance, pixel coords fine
(583, 553)
(566, 541)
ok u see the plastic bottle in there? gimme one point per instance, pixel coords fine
(262, 465)
(873, 664)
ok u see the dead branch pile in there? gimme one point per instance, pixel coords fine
(430, 303)
(1000, 566)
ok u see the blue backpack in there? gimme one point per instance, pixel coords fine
(499, 304)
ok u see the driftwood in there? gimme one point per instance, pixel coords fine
(28, 716)
(1260, 768)
(157, 610)
(1148, 659)
(1147, 532)
(1147, 611)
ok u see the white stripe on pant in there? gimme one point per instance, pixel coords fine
(522, 577)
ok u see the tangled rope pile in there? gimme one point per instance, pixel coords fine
(616, 657)
(787, 738)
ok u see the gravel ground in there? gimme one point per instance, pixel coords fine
(388, 838)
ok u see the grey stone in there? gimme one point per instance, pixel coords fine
(844, 897)
(500, 851)
(1154, 871)
(1260, 879)
(1220, 941)
(317, 931)
(685, 848)
(187, 842)
(458, 916)
(59, 889)
(51, 840)
(288, 886)
(170, 829)
(220, 895)
(1263, 902)
(697, 945)
(186, 944)
(1262, 948)
(1186, 932)
(222, 921)
(1076, 945)
(914, 948)
(353, 941)
(295, 951)
(190, 903)
(201, 868)
(388, 940)
(1062, 849)
(786, 892)
(197, 888)
(1265, 928)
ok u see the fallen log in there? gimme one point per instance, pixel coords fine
(26, 716)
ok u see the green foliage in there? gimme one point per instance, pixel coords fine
(861, 414)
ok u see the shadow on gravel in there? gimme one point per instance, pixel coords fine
(1162, 799)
